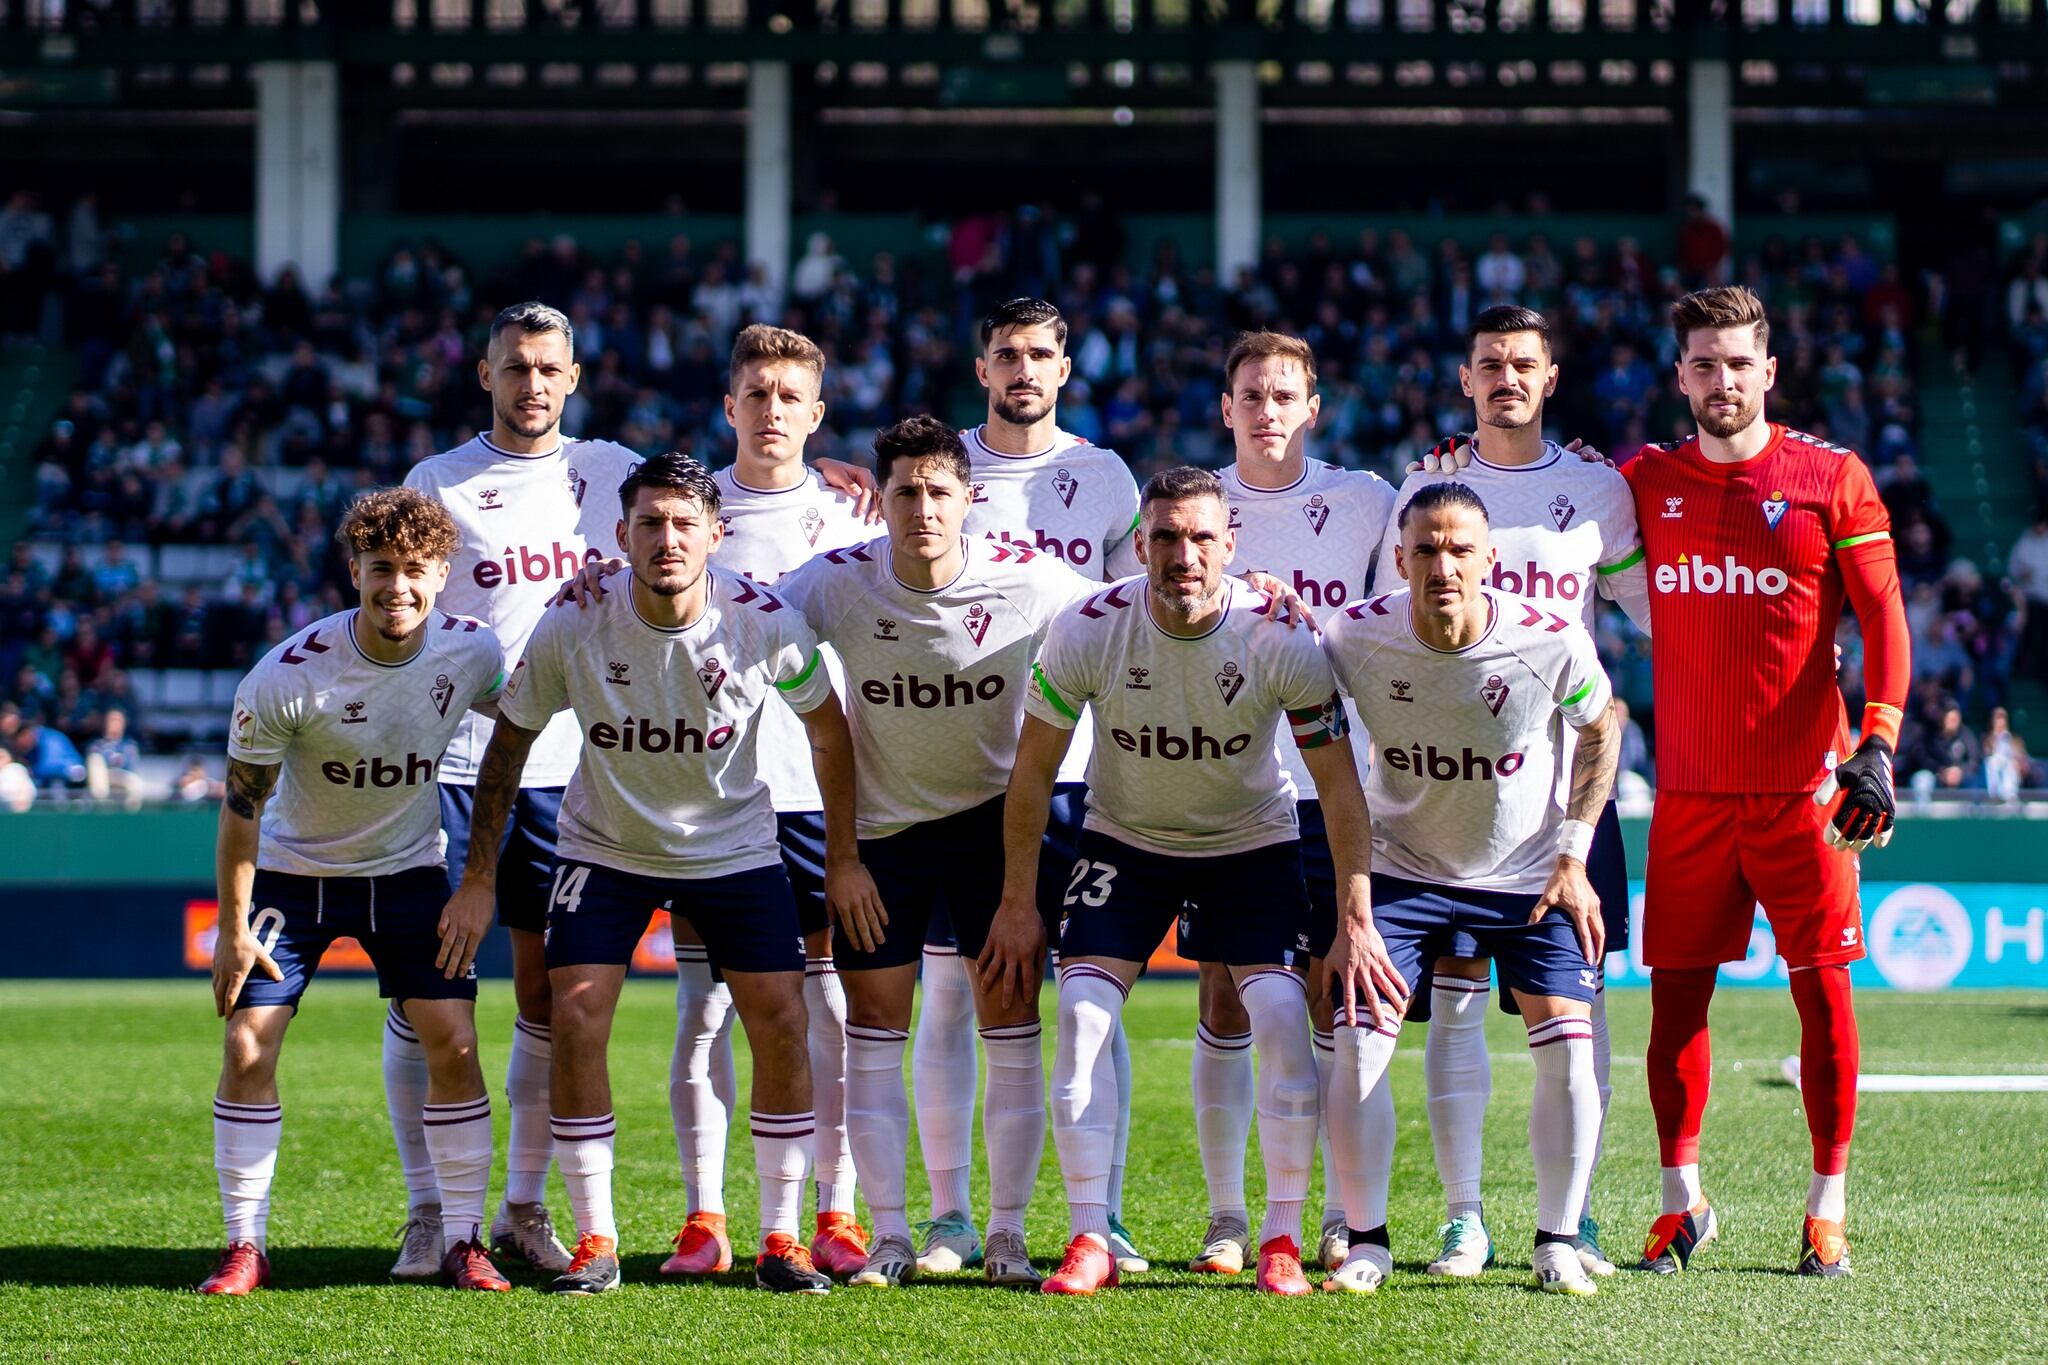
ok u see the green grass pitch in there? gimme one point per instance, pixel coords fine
(106, 1173)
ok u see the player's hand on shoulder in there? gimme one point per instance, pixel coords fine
(1569, 892)
(1014, 954)
(236, 954)
(1283, 603)
(588, 585)
(1587, 453)
(855, 482)
(464, 922)
(854, 904)
(1447, 456)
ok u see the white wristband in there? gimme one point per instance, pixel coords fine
(1574, 839)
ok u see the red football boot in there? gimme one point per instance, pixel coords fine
(1088, 1267)
(242, 1268)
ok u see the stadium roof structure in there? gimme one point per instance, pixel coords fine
(682, 53)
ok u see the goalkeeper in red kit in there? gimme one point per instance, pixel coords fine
(1755, 535)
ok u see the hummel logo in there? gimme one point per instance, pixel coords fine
(812, 521)
(1235, 524)
(443, 693)
(1494, 694)
(355, 714)
(1671, 508)
(977, 622)
(1317, 511)
(885, 629)
(712, 675)
(1849, 936)
(1137, 681)
(1588, 979)
(487, 500)
(1064, 484)
(980, 491)
(1230, 682)
(618, 673)
(1562, 511)
(1398, 689)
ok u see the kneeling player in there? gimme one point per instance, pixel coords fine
(352, 714)
(1466, 692)
(667, 675)
(1187, 804)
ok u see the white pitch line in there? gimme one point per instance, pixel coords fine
(1880, 1083)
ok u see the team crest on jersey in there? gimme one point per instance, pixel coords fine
(1230, 682)
(1562, 511)
(1317, 511)
(1674, 508)
(577, 485)
(1494, 694)
(443, 693)
(487, 500)
(245, 725)
(712, 675)
(979, 491)
(1135, 679)
(354, 713)
(1064, 484)
(812, 521)
(885, 629)
(1774, 509)
(617, 673)
(1398, 690)
(977, 622)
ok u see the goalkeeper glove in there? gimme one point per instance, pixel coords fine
(1868, 804)
(1448, 456)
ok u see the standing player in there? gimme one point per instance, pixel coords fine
(1316, 526)
(666, 676)
(1187, 805)
(938, 631)
(1042, 488)
(776, 513)
(1564, 533)
(352, 713)
(1467, 693)
(1755, 534)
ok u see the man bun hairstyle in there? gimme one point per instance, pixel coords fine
(1730, 305)
(671, 470)
(404, 519)
(759, 342)
(1023, 312)
(1508, 317)
(1179, 484)
(1449, 493)
(921, 439)
(533, 316)
(1265, 345)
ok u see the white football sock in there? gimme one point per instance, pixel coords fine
(1013, 1121)
(528, 1140)
(825, 999)
(1120, 1058)
(1459, 1078)
(1603, 1080)
(944, 1076)
(878, 1123)
(459, 1136)
(1325, 1055)
(1084, 1099)
(1827, 1196)
(1277, 1003)
(405, 1090)
(1681, 1188)
(245, 1139)
(583, 1151)
(700, 1079)
(1222, 1085)
(782, 1161)
(1564, 1120)
(1362, 1121)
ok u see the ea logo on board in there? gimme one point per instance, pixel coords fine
(1920, 938)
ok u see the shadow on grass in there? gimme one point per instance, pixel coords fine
(184, 1267)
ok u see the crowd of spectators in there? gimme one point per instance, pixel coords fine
(213, 408)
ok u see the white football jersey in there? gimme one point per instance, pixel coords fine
(768, 533)
(1320, 535)
(1563, 529)
(1072, 500)
(1184, 760)
(358, 743)
(935, 681)
(529, 523)
(1467, 789)
(669, 785)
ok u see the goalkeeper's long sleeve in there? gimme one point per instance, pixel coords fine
(1870, 572)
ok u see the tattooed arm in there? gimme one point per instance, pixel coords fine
(236, 951)
(467, 916)
(1593, 767)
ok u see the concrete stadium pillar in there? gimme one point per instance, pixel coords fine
(1710, 137)
(1239, 187)
(298, 170)
(769, 167)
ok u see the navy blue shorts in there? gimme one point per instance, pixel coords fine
(396, 917)
(952, 866)
(1421, 921)
(1606, 869)
(526, 855)
(801, 836)
(1245, 908)
(747, 919)
(1055, 864)
(1318, 870)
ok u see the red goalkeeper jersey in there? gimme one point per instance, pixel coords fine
(1746, 588)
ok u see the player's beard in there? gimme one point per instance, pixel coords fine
(1022, 410)
(1186, 604)
(1721, 426)
(382, 622)
(531, 426)
(1506, 420)
(679, 583)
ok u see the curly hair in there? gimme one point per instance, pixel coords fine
(403, 519)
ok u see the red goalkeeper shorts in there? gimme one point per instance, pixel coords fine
(1715, 856)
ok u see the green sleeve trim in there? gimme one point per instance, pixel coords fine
(1575, 698)
(1629, 563)
(800, 679)
(1059, 703)
(1863, 539)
